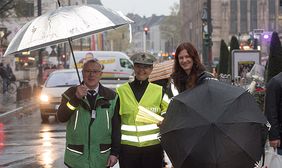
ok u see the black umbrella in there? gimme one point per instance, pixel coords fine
(214, 125)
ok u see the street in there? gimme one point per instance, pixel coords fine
(27, 142)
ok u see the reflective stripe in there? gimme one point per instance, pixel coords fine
(129, 138)
(104, 151)
(75, 151)
(141, 138)
(75, 120)
(149, 137)
(134, 128)
(108, 122)
(70, 106)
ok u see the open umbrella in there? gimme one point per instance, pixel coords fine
(161, 70)
(214, 125)
(63, 25)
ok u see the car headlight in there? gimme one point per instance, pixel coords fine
(44, 98)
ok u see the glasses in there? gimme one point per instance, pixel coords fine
(87, 72)
(144, 66)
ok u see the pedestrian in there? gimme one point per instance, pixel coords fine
(273, 111)
(188, 70)
(93, 128)
(140, 144)
(5, 77)
(10, 73)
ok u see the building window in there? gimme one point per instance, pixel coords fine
(233, 19)
(24, 9)
(243, 18)
(272, 10)
(254, 19)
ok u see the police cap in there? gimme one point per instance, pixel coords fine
(143, 58)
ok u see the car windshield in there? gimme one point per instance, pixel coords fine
(62, 79)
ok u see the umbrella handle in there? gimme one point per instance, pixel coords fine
(74, 61)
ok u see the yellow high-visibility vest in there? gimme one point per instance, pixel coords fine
(137, 133)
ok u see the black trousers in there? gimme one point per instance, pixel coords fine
(141, 157)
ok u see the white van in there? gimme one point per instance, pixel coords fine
(117, 65)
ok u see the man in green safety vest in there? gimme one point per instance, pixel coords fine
(93, 121)
(140, 144)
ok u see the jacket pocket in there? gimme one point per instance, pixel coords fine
(105, 148)
(75, 148)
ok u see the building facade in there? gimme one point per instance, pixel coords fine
(228, 18)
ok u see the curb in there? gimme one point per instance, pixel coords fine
(24, 109)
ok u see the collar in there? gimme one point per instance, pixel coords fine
(96, 90)
(140, 82)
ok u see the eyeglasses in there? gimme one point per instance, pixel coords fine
(144, 66)
(87, 72)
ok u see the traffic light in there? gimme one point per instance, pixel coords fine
(146, 29)
(4, 33)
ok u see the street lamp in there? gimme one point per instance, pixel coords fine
(207, 31)
(1, 39)
(170, 40)
(146, 30)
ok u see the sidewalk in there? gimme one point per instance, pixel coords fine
(10, 107)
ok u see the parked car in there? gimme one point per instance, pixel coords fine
(57, 83)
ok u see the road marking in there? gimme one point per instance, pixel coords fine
(12, 111)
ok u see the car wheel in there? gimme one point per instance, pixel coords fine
(44, 117)
(56, 118)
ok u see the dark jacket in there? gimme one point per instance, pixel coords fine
(204, 76)
(273, 106)
(87, 136)
(3, 72)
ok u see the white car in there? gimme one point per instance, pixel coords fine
(57, 83)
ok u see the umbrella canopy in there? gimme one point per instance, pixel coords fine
(161, 70)
(214, 125)
(63, 24)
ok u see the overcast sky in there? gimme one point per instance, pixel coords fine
(141, 7)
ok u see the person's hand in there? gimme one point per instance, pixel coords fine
(81, 91)
(275, 143)
(159, 123)
(112, 160)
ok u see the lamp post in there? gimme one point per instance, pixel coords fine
(2, 33)
(146, 30)
(207, 31)
(170, 40)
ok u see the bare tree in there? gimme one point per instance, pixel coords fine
(5, 7)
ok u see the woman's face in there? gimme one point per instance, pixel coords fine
(185, 61)
(142, 71)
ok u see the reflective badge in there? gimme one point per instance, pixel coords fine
(93, 115)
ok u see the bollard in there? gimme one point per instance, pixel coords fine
(24, 90)
(20, 93)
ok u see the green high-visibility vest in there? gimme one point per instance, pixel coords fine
(137, 133)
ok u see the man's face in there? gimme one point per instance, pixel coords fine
(92, 73)
(142, 71)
